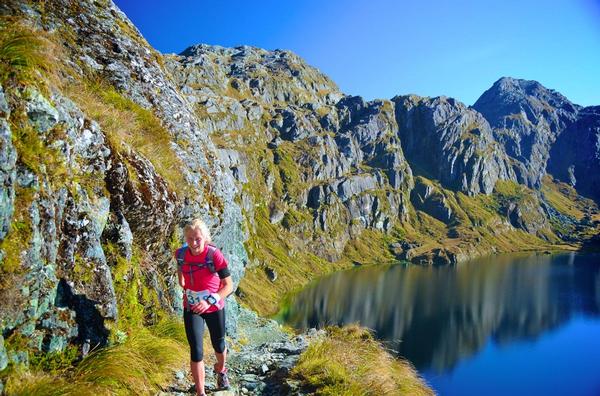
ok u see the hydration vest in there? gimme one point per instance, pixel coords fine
(193, 267)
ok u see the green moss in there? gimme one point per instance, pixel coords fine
(92, 183)
(371, 247)
(83, 271)
(18, 236)
(127, 282)
(13, 245)
(285, 159)
(55, 362)
(294, 217)
(33, 153)
(16, 342)
(564, 198)
(176, 240)
(138, 303)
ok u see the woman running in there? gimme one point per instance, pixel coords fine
(206, 281)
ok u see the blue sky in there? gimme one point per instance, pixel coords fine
(382, 48)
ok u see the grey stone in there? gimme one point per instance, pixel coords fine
(527, 118)
(276, 215)
(430, 200)
(453, 143)
(575, 157)
(355, 185)
(40, 112)
(4, 109)
(292, 125)
(3, 354)
(8, 158)
(57, 344)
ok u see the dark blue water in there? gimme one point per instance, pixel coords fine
(498, 326)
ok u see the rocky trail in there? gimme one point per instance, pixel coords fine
(259, 362)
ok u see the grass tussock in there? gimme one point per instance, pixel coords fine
(349, 361)
(42, 384)
(26, 56)
(128, 126)
(141, 365)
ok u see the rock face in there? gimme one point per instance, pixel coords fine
(575, 158)
(527, 118)
(451, 143)
(85, 202)
(320, 153)
(427, 198)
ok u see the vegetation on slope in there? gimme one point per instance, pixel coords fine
(145, 343)
(349, 361)
(140, 365)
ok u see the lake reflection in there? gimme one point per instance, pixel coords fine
(436, 317)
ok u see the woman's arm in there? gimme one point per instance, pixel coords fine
(226, 287)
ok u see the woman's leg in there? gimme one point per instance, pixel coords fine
(216, 327)
(194, 330)
(197, 369)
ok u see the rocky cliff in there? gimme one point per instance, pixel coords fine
(527, 118)
(575, 158)
(108, 147)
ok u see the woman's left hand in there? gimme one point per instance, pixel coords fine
(201, 307)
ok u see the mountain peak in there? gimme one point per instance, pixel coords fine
(509, 96)
(520, 89)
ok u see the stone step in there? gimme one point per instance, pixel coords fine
(223, 393)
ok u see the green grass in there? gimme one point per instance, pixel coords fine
(372, 247)
(349, 361)
(271, 246)
(141, 365)
(287, 155)
(26, 56)
(16, 241)
(129, 126)
(507, 189)
(138, 302)
(563, 198)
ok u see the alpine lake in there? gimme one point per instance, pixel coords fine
(501, 325)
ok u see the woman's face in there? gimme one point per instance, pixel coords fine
(195, 241)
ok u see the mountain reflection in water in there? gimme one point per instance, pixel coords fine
(436, 316)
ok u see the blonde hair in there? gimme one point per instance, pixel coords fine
(198, 224)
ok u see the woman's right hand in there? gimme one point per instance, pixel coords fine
(202, 306)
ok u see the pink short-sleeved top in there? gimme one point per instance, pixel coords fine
(203, 279)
